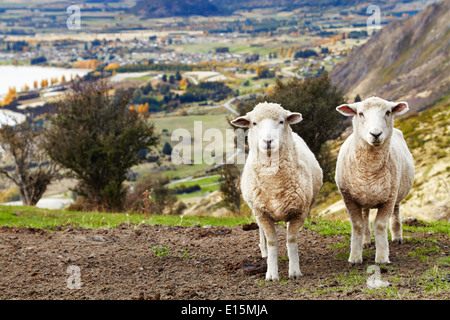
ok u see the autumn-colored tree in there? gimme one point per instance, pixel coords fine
(112, 66)
(289, 54)
(35, 84)
(44, 83)
(10, 96)
(143, 109)
(184, 84)
(63, 79)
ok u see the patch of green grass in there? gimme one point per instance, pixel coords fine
(263, 282)
(340, 245)
(208, 184)
(32, 217)
(436, 279)
(328, 228)
(432, 227)
(385, 292)
(351, 279)
(423, 253)
(344, 282)
(160, 251)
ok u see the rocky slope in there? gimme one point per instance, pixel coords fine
(407, 60)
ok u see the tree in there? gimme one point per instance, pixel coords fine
(97, 137)
(44, 83)
(184, 84)
(316, 99)
(31, 170)
(305, 54)
(164, 78)
(167, 148)
(229, 187)
(178, 75)
(171, 79)
(10, 97)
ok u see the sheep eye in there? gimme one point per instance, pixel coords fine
(254, 123)
(361, 115)
(282, 122)
(388, 113)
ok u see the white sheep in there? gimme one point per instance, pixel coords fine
(374, 170)
(280, 180)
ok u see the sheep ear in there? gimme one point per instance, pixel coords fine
(294, 117)
(347, 109)
(400, 108)
(242, 122)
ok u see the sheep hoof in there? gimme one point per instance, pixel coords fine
(398, 241)
(367, 245)
(295, 274)
(355, 261)
(273, 277)
(382, 261)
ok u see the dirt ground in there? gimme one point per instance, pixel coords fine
(188, 263)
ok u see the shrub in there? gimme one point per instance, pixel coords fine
(151, 196)
(97, 137)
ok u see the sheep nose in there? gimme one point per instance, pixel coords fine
(268, 143)
(377, 135)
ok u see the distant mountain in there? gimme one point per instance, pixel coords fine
(175, 8)
(252, 4)
(406, 60)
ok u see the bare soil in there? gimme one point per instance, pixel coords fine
(202, 263)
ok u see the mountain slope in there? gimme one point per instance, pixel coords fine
(175, 8)
(406, 60)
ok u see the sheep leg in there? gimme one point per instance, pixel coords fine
(268, 227)
(292, 247)
(380, 229)
(396, 225)
(366, 227)
(262, 240)
(356, 247)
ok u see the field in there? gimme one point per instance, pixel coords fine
(133, 257)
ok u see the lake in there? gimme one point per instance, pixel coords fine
(19, 76)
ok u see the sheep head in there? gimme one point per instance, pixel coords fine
(373, 118)
(268, 123)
